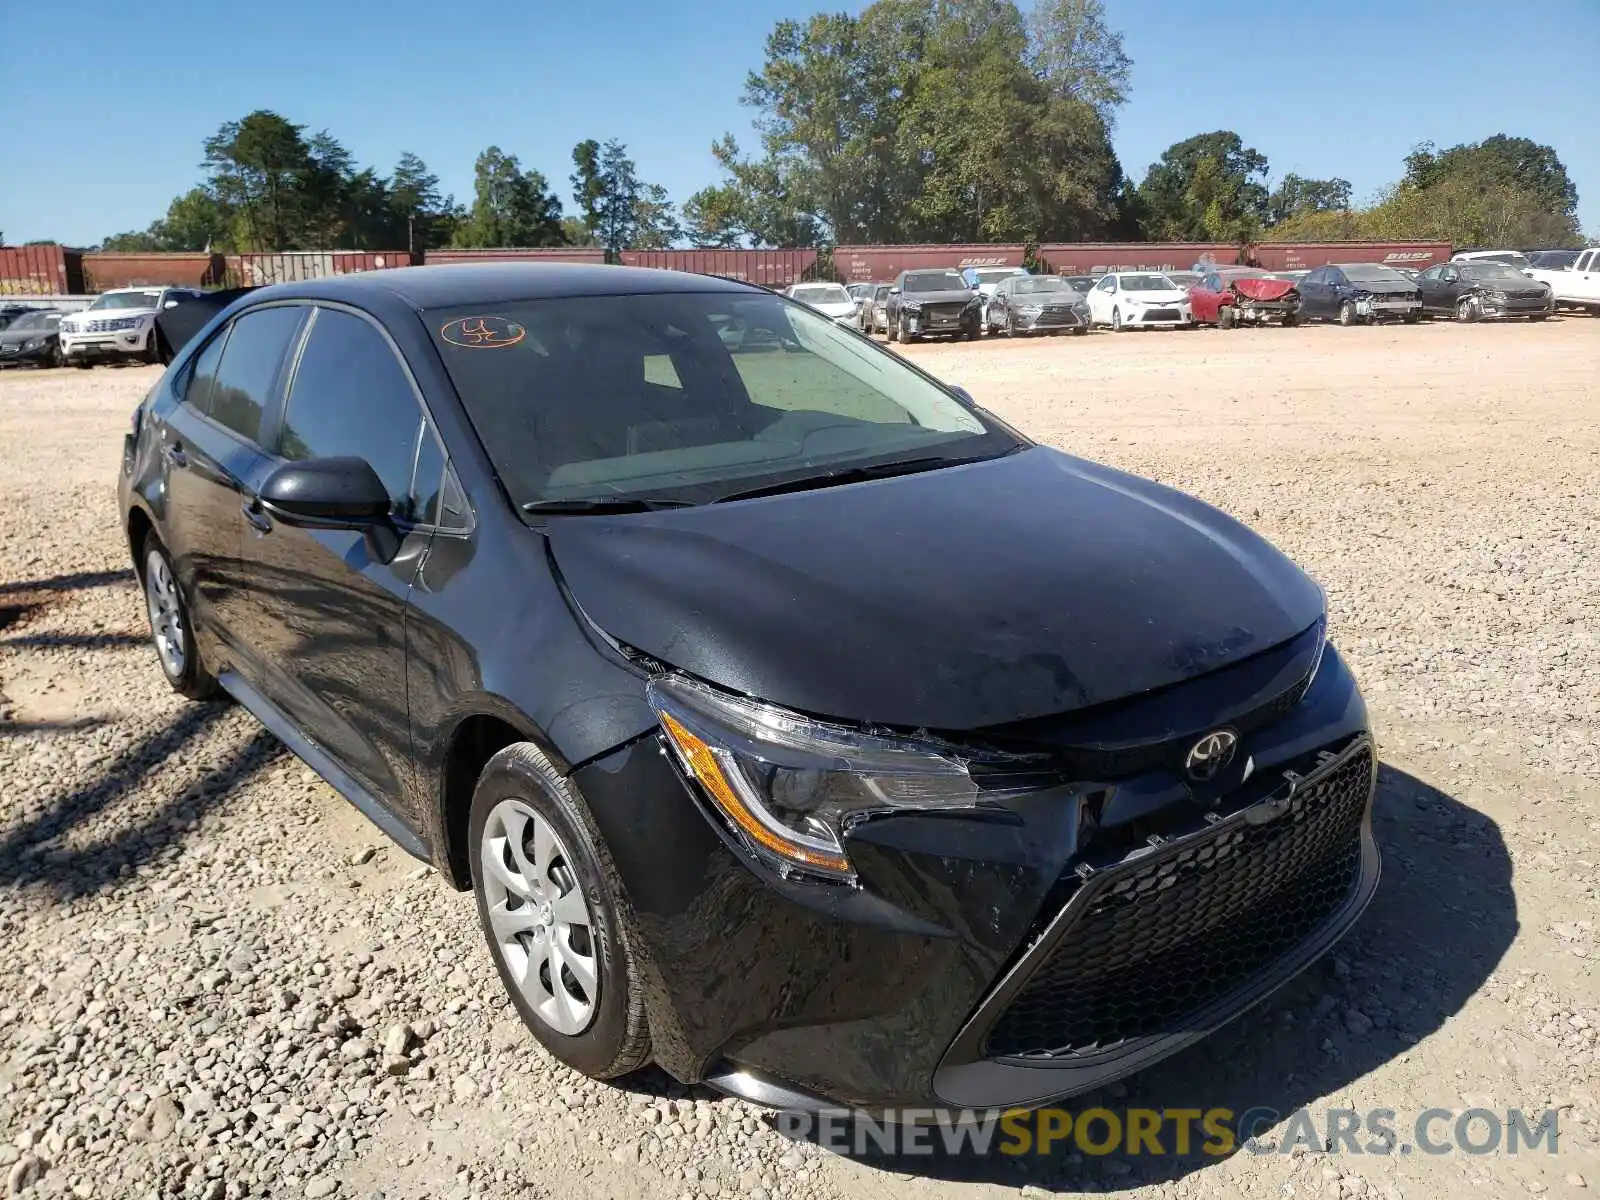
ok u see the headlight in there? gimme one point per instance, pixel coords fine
(33, 343)
(1494, 295)
(1029, 309)
(789, 786)
(911, 305)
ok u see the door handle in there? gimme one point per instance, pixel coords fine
(175, 454)
(256, 515)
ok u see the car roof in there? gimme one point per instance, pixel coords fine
(446, 286)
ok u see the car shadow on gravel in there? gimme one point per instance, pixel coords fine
(83, 841)
(1405, 969)
(76, 582)
(74, 641)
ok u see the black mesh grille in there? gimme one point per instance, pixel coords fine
(1159, 942)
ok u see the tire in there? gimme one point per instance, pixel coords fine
(171, 630)
(599, 1029)
(1079, 330)
(1116, 320)
(1538, 316)
(1412, 318)
(891, 329)
(83, 364)
(1466, 310)
(1225, 317)
(1008, 328)
(906, 335)
(1347, 314)
(56, 359)
(1290, 320)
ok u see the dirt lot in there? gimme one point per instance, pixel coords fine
(213, 964)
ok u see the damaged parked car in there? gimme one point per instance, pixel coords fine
(797, 725)
(933, 302)
(1483, 289)
(1231, 296)
(1359, 294)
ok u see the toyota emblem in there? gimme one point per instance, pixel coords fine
(1211, 754)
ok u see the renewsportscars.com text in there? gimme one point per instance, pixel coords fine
(1175, 1131)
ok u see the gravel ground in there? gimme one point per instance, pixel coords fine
(221, 982)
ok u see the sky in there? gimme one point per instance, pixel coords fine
(107, 108)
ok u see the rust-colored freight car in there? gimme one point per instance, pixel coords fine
(769, 268)
(40, 271)
(295, 266)
(561, 254)
(103, 272)
(866, 264)
(1304, 256)
(1098, 258)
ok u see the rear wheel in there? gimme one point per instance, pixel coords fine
(547, 896)
(171, 631)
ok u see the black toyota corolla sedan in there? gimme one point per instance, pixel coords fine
(798, 725)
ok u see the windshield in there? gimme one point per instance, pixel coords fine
(822, 293)
(1041, 283)
(1492, 272)
(935, 281)
(1184, 279)
(126, 300)
(1146, 283)
(38, 320)
(688, 396)
(1553, 260)
(1501, 256)
(994, 274)
(1372, 273)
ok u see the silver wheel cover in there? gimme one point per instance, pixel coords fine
(539, 917)
(166, 612)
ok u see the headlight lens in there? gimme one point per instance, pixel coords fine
(912, 305)
(789, 786)
(33, 343)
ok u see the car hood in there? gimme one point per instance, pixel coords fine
(86, 315)
(15, 337)
(1385, 287)
(833, 308)
(953, 599)
(936, 297)
(1173, 296)
(1254, 287)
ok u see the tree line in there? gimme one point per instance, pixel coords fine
(916, 120)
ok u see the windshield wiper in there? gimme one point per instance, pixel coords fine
(903, 466)
(604, 504)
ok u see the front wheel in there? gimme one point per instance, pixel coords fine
(83, 364)
(1116, 320)
(1290, 320)
(1412, 318)
(1347, 314)
(1466, 309)
(891, 330)
(171, 630)
(1225, 317)
(56, 359)
(547, 900)
(1079, 330)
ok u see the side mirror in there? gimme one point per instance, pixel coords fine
(894, 291)
(171, 304)
(328, 493)
(964, 394)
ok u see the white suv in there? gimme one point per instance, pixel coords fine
(120, 324)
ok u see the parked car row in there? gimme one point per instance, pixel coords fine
(1010, 301)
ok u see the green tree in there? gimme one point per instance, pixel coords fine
(511, 207)
(256, 167)
(422, 213)
(617, 208)
(1207, 188)
(1077, 55)
(1296, 197)
(752, 205)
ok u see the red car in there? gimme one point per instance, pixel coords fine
(1229, 296)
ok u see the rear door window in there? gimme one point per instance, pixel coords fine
(250, 368)
(351, 396)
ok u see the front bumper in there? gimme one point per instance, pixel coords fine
(1051, 318)
(16, 354)
(1374, 307)
(925, 324)
(1500, 310)
(1168, 316)
(124, 343)
(897, 993)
